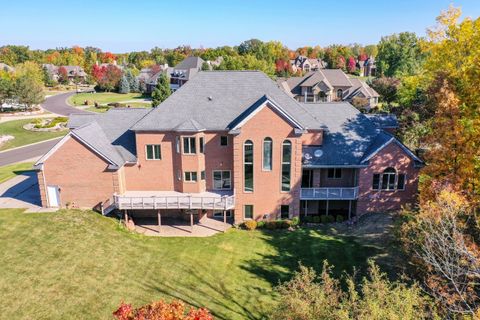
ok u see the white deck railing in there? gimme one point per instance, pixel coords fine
(350, 193)
(175, 202)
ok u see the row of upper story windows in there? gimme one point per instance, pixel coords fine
(267, 161)
(188, 145)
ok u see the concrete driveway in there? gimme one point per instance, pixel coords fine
(58, 104)
(21, 192)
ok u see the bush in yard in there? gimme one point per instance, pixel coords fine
(339, 218)
(330, 219)
(295, 221)
(316, 219)
(161, 310)
(260, 224)
(250, 224)
(308, 296)
(271, 225)
(323, 219)
(283, 224)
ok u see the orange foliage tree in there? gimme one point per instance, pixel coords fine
(161, 310)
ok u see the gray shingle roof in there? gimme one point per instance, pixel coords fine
(216, 98)
(347, 136)
(383, 120)
(109, 132)
(190, 63)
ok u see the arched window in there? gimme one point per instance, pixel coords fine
(267, 154)
(248, 166)
(286, 164)
(339, 94)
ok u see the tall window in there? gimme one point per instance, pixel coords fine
(267, 154)
(388, 180)
(189, 145)
(248, 211)
(248, 166)
(201, 142)
(222, 180)
(177, 144)
(153, 152)
(339, 94)
(286, 167)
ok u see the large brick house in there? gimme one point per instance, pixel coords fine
(233, 143)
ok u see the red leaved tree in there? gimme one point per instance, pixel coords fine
(107, 77)
(352, 65)
(62, 75)
(341, 62)
(161, 310)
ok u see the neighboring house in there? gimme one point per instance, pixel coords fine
(6, 67)
(149, 76)
(74, 73)
(367, 67)
(230, 143)
(185, 71)
(305, 64)
(328, 85)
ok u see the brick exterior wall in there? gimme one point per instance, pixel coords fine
(80, 174)
(381, 201)
(267, 196)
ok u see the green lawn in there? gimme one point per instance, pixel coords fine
(22, 136)
(80, 265)
(104, 98)
(10, 171)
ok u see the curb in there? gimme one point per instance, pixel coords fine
(31, 144)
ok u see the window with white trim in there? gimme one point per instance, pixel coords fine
(189, 145)
(267, 154)
(334, 173)
(222, 180)
(190, 176)
(177, 144)
(286, 164)
(388, 180)
(224, 141)
(248, 166)
(248, 211)
(153, 152)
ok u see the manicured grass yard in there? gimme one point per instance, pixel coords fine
(80, 265)
(22, 136)
(10, 171)
(104, 98)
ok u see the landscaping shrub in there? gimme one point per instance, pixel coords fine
(309, 219)
(323, 219)
(161, 310)
(285, 223)
(39, 123)
(271, 225)
(316, 219)
(260, 224)
(295, 221)
(340, 218)
(250, 224)
(330, 219)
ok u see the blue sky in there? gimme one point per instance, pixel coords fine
(122, 26)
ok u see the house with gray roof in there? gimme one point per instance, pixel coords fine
(185, 71)
(233, 146)
(329, 85)
(304, 64)
(74, 73)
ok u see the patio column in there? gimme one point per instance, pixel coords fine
(159, 221)
(326, 209)
(126, 216)
(349, 209)
(225, 219)
(191, 222)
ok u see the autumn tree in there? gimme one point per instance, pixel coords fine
(107, 77)
(28, 91)
(387, 87)
(62, 75)
(352, 65)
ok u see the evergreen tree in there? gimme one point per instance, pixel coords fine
(124, 86)
(135, 85)
(161, 91)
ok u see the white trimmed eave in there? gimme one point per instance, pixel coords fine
(393, 139)
(236, 129)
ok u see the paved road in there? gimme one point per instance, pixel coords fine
(57, 104)
(27, 152)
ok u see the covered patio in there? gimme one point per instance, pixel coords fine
(176, 213)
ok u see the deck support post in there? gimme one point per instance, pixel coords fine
(191, 222)
(225, 220)
(349, 209)
(126, 216)
(326, 209)
(159, 221)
